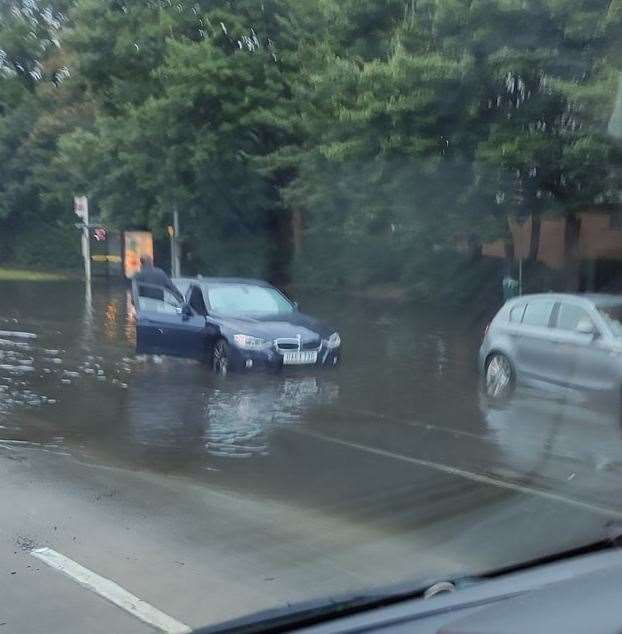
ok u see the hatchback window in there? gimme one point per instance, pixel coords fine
(570, 316)
(613, 316)
(516, 314)
(538, 314)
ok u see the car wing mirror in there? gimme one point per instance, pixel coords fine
(586, 328)
(185, 311)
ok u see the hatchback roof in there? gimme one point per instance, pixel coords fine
(598, 299)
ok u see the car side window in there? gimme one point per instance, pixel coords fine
(570, 316)
(196, 301)
(516, 314)
(157, 299)
(538, 313)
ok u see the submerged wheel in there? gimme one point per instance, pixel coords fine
(499, 377)
(221, 359)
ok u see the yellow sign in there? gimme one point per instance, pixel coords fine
(136, 243)
(106, 258)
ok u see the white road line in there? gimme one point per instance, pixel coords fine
(469, 475)
(412, 423)
(20, 335)
(111, 591)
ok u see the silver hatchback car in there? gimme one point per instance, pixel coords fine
(570, 341)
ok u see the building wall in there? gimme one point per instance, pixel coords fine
(598, 239)
(551, 249)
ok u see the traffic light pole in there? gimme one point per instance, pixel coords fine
(175, 251)
(81, 209)
(86, 247)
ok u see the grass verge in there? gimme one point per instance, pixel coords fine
(25, 275)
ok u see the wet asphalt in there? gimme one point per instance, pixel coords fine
(275, 488)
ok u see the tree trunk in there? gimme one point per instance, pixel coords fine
(571, 252)
(281, 251)
(534, 238)
(508, 248)
(297, 229)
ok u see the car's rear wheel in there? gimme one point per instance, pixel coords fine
(499, 377)
(221, 358)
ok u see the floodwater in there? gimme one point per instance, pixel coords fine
(70, 382)
(69, 375)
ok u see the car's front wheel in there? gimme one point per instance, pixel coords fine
(499, 377)
(221, 358)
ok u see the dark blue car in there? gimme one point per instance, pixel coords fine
(232, 324)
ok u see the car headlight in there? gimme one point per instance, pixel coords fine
(334, 341)
(246, 342)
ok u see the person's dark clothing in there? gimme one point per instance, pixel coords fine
(157, 277)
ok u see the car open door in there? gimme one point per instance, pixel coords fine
(164, 325)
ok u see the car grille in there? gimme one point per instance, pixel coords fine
(314, 344)
(285, 344)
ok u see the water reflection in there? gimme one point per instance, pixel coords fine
(111, 320)
(240, 421)
(534, 428)
(230, 418)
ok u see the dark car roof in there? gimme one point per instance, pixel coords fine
(220, 280)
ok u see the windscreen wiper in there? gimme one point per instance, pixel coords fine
(311, 613)
(314, 612)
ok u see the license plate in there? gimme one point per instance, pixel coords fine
(299, 358)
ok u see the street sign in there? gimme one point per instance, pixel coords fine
(81, 207)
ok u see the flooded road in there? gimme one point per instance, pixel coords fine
(389, 468)
(69, 376)
(70, 381)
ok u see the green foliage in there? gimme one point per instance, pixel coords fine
(389, 126)
(40, 246)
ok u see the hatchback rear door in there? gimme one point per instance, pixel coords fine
(535, 350)
(164, 325)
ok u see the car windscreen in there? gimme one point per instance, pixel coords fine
(231, 300)
(613, 316)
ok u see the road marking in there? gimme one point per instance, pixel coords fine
(412, 423)
(18, 334)
(110, 591)
(469, 475)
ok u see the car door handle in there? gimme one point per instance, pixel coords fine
(151, 322)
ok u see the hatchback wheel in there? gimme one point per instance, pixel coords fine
(221, 361)
(499, 378)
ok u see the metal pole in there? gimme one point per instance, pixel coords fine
(176, 264)
(171, 234)
(520, 275)
(86, 247)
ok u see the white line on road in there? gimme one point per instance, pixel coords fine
(20, 335)
(469, 475)
(110, 591)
